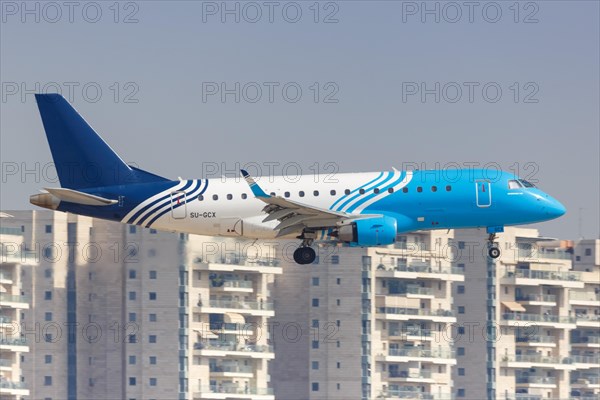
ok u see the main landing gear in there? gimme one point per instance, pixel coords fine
(493, 251)
(305, 254)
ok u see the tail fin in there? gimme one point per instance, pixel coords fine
(81, 157)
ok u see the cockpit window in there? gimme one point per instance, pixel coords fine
(512, 184)
(526, 184)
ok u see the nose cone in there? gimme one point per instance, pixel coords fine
(555, 209)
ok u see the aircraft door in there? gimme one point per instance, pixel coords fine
(231, 227)
(483, 193)
(178, 206)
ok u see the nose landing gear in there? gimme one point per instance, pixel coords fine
(493, 250)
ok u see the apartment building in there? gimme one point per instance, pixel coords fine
(13, 345)
(123, 312)
(519, 322)
(585, 307)
(370, 323)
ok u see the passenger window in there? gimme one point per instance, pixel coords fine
(361, 191)
(215, 197)
(512, 184)
(316, 193)
(200, 197)
(347, 191)
(272, 194)
(419, 189)
(229, 196)
(244, 196)
(287, 194)
(301, 193)
(391, 190)
(405, 190)
(332, 192)
(376, 190)
(434, 188)
(448, 188)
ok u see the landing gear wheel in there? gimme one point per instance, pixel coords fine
(304, 255)
(494, 252)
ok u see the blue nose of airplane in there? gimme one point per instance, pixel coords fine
(555, 209)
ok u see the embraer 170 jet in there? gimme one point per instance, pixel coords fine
(360, 209)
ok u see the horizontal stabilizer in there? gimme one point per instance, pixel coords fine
(73, 196)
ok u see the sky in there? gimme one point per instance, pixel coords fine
(198, 89)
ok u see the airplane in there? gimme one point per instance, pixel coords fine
(358, 209)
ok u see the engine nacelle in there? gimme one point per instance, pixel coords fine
(369, 232)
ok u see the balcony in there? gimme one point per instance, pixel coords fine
(586, 361)
(408, 333)
(233, 285)
(588, 320)
(419, 270)
(233, 370)
(19, 344)
(6, 278)
(417, 354)
(586, 341)
(536, 381)
(263, 265)
(5, 364)
(557, 321)
(258, 308)
(421, 376)
(533, 360)
(536, 341)
(585, 382)
(405, 314)
(584, 298)
(234, 392)
(222, 349)
(527, 277)
(413, 393)
(537, 299)
(16, 389)
(15, 301)
(414, 292)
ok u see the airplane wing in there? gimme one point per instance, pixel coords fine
(297, 217)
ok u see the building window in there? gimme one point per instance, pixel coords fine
(132, 360)
(132, 381)
(315, 281)
(460, 392)
(153, 231)
(315, 323)
(338, 386)
(132, 228)
(48, 359)
(461, 245)
(460, 351)
(315, 302)
(152, 295)
(588, 252)
(315, 386)
(338, 302)
(152, 274)
(132, 274)
(153, 381)
(335, 259)
(338, 281)
(152, 317)
(152, 360)
(151, 338)
(461, 330)
(461, 372)
(132, 317)
(48, 228)
(338, 365)
(460, 289)
(461, 309)
(132, 338)
(48, 316)
(47, 379)
(47, 295)
(315, 365)
(315, 344)
(131, 295)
